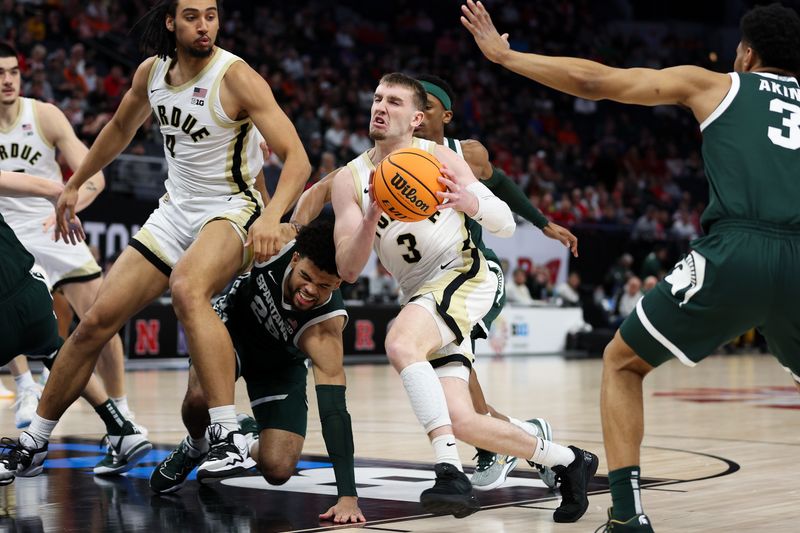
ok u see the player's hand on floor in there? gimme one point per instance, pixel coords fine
(563, 235)
(345, 511)
(266, 239)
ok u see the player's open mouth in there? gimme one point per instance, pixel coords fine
(378, 121)
(304, 298)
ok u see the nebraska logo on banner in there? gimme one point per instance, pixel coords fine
(530, 247)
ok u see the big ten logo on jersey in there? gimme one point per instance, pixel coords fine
(199, 96)
(267, 313)
(176, 118)
(18, 151)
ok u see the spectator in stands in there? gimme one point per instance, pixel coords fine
(517, 292)
(647, 226)
(539, 284)
(619, 274)
(569, 291)
(382, 286)
(655, 263)
(649, 283)
(629, 297)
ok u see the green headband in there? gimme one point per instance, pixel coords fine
(439, 93)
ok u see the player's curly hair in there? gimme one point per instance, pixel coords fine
(773, 31)
(155, 38)
(315, 241)
(404, 80)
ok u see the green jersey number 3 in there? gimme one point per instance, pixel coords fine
(792, 122)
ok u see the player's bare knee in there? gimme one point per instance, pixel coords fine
(276, 473)
(400, 352)
(619, 357)
(185, 296)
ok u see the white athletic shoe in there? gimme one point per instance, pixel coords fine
(545, 432)
(25, 406)
(492, 470)
(228, 455)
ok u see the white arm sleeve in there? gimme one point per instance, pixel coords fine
(493, 213)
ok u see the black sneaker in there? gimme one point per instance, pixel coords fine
(451, 494)
(20, 461)
(575, 480)
(227, 456)
(635, 524)
(171, 473)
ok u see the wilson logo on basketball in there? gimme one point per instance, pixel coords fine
(410, 193)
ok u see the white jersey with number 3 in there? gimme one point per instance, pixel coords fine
(418, 253)
(208, 153)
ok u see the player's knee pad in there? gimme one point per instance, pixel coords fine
(426, 395)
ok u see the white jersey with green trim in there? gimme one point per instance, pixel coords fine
(415, 253)
(23, 148)
(207, 152)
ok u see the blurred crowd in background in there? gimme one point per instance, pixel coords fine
(590, 166)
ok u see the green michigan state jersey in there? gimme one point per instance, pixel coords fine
(475, 229)
(260, 320)
(751, 150)
(15, 260)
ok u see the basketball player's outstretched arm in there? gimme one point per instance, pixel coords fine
(18, 184)
(477, 156)
(698, 89)
(323, 344)
(58, 131)
(113, 138)
(248, 92)
(313, 199)
(353, 232)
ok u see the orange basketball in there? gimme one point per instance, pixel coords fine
(405, 184)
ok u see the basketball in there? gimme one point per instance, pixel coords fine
(405, 184)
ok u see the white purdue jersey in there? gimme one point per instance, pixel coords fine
(208, 154)
(419, 253)
(23, 148)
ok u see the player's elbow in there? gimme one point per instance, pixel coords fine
(347, 273)
(507, 230)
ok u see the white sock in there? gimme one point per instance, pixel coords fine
(122, 406)
(444, 447)
(24, 380)
(197, 447)
(527, 427)
(426, 395)
(39, 432)
(551, 454)
(225, 416)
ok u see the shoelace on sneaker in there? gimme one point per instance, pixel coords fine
(16, 453)
(485, 460)
(219, 446)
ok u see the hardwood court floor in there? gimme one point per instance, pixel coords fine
(719, 455)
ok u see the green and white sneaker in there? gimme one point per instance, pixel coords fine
(492, 470)
(248, 426)
(545, 432)
(123, 451)
(635, 524)
(171, 473)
